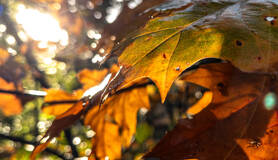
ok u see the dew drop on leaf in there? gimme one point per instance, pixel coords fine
(269, 19)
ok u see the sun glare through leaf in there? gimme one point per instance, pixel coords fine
(45, 29)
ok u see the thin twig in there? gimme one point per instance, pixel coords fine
(69, 138)
(23, 141)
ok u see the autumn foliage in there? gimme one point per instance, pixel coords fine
(228, 48)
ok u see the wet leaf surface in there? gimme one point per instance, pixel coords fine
(231, 30)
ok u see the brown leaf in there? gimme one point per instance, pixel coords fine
(205, 137)
(232, 114)
(115, 122)
(263, 148)
(231, 88)
(9, 103)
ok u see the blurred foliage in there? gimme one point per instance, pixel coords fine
(36, 56)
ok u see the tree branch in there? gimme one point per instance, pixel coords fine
(32, 93)
(23, 141)
(69, 138)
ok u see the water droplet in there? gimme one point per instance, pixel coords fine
(270, 100)
(84, 104)
(269, 19)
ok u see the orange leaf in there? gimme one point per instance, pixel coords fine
(201, 104)
(55, 95)
(236, 111)
(264, 148)
(115, 122)
(89, 78)
(231, 88)
(10, 104)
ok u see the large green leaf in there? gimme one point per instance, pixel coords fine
(185, 32)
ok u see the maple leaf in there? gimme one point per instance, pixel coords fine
(236, 31)
(205, 137)
(231, 89)
(115, 122)
(264, 147)
(54, 96)
(236, 111)
(68, 113)
(58, 101)
(89, 78)
(117, 113)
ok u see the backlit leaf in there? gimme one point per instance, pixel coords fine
(55, 95)
(231, 88)
(235, 112)
(236, 31)
(201, 104)
(89, 78)
(204, 137)
(115, 122)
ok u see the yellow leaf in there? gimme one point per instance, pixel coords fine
(115, 122)
(169, 44)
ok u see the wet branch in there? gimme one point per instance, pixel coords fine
(25, 93)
